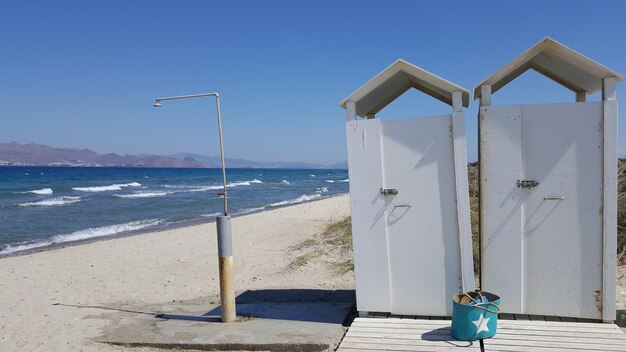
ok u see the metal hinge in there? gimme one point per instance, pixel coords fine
(388, 191)
(527, 183)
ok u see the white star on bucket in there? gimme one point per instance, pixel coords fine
(481, 324)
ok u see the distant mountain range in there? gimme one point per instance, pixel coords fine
(15, 154)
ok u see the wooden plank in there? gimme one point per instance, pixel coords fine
(381, 315)
(442, 347)
(368, 226)
(530, 335)
(520, 335)
(580, 344)
(385, 342)
(568, 319)
(522, 317)
(573, 251)
(571, 323)
(506, 348)
(534, 317)
(398, 343)
(485, 95)
(421, 149)
(551, 318)
(500, 206)
(527, 329)
(351, 111)
(443, 336)
(364, 347)
(595, 328)
(609, 190)
(506, 316)
(459, 147)
(613, 330)
(586, 320)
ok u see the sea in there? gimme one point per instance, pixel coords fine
(51, 206)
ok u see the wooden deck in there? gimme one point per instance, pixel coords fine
(397, 334)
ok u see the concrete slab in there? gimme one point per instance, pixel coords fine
(270, 320)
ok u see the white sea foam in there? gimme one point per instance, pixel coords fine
(143, 195)
(330, 181)
(302, 198)
(43, 191)
(204, 189)
(212, 215)
(51, 202)
(346, 180)
(114, 187)
(92, 232)
(249, 210)
(181, 189)
(243, 183)
(312, 175)
(177, 186)
(321, 190)
(285, 182)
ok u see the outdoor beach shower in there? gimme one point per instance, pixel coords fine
(224, 236)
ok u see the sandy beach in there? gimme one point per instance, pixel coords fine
(58, 300)
(48, 297)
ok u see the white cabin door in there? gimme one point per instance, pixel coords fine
(421, 219)
(541, 207)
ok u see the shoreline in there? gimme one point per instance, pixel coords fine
(156, 229)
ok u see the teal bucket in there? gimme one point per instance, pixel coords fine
(472, 319)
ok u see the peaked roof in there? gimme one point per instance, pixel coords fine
(557, 62)
(396, 79)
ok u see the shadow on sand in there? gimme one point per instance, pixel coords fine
(308, 305)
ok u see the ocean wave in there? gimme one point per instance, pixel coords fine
(244, 183)
(302, 198)
(92, 232)
(177, 186)
(196, 188)
(203, 189)
(249, 210)
(346, 180)
(114, 187)
(51, 202)
(321, 190)
(43, 191)
(212, 215)
(143, 194)
(330, 181)
(285, 182)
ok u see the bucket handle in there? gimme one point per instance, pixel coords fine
(478, 304)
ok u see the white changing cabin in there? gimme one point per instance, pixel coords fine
(548, 189)
(409, 197)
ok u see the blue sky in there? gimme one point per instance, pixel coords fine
(85, 73)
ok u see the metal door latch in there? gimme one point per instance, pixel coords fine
(388, 191)
(527, 183)
(403, 206)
